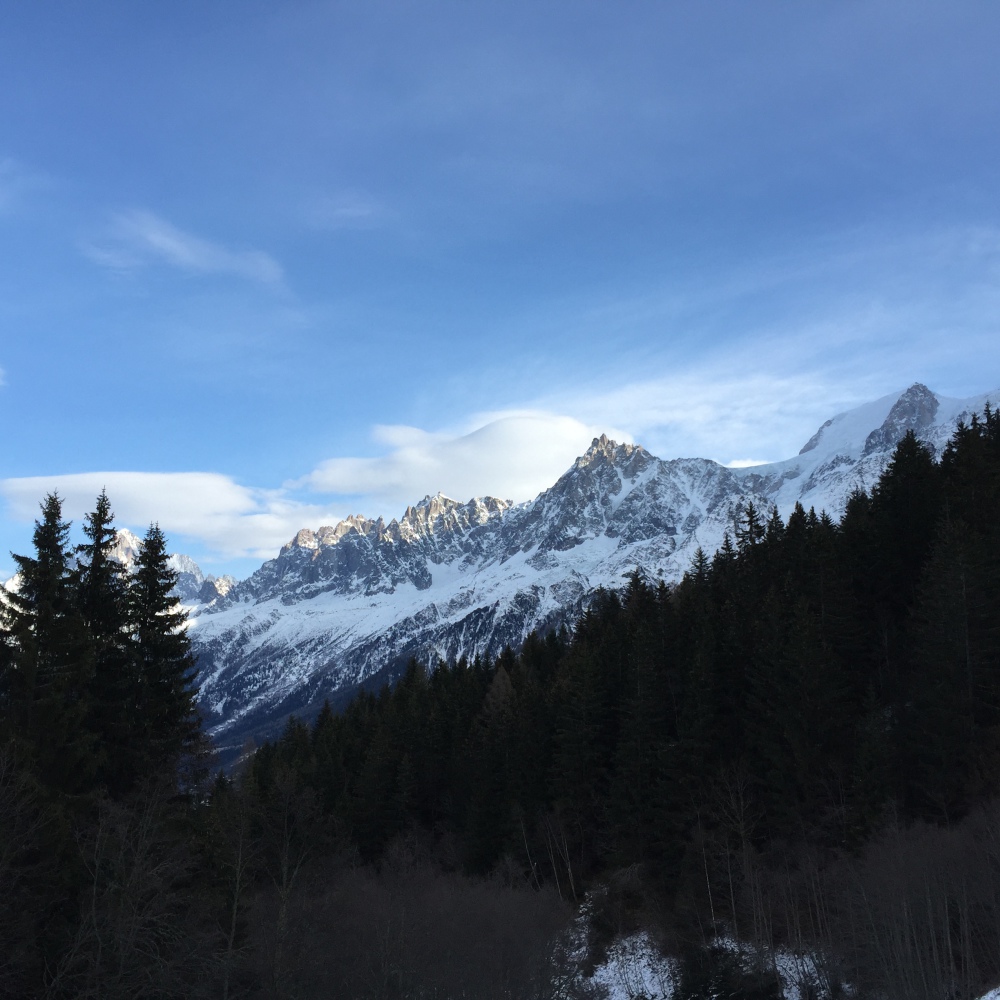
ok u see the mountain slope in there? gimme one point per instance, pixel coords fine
(349, 604)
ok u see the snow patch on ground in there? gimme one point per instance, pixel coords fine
(635, 970)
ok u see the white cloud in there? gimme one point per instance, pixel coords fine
(513, 455)
(227, 518)
(139, 237)
(726, 412)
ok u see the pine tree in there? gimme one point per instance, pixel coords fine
(166, 713)
(643, 798)
(749, 528)
(49, 661)
(488, 819)
(906, 505)
(938, 730)
(99, 578)
(100, 595)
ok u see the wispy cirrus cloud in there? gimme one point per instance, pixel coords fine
(346, 210)
(138, 238)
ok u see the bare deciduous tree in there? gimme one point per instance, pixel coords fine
(137, 936)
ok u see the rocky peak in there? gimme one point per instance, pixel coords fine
(428, 516)
(913, 411)
(126, 547)
(353, 522)
(311, 541)
(304, 538)
(356, 523)
(430, 508)
(432, 516)
(439, 513)
(604, 448)
(214, 588)
(605, 466)
(483, 508)
(181, 563)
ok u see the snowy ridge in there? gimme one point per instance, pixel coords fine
(342, 604)
(853, 447)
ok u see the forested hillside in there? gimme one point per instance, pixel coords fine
(127, 871)
(721, 748)
(797, 747)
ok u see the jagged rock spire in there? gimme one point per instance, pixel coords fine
(913, 411)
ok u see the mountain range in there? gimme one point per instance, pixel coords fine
(348, 605)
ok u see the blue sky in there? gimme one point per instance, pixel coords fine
(263, 265)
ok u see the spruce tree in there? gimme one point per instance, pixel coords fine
(906, 505)
(99, 578)
(49, 661)
(938, 730)
(749, 528)
(161, 652)
(100, 595)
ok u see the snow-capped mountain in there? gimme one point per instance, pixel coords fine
(192, 587)
(346, 605)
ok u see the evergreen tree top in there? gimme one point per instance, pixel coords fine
(50, 539)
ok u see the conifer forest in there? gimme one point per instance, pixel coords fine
(795, 748)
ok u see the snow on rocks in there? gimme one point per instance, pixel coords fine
(344, 603)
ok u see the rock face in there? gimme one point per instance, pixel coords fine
(913, 411)
(347, 605)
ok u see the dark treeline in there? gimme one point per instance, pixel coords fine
(797, 748)
(715, 750)
(127, 871)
